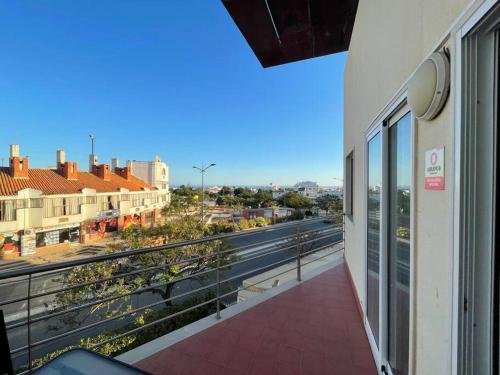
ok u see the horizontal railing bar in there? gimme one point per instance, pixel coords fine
(204, 303)
(283, 238)
(77, 262)
(153, 323)
(122, 275)
(142, 327)
(142, 290)
(274, 251)
(123, 315)
(258, 269)
(272, 264)
(107, 299)
(278, 274)
(330, 231)
(54, 291)
(320, 248)
(128, 313)
(175, 297)
(323, 256)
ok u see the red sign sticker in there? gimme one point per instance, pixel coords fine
(434, 169)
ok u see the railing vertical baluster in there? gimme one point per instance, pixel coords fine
(299, 271)
(218, 281)
(29, 323)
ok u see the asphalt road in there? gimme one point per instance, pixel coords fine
(263, 244)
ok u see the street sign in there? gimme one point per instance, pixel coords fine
(434, 169)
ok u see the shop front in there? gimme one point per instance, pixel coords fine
(105, 225)
(9, 245)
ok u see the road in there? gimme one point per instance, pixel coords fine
(263, 243)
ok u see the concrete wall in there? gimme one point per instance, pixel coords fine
(390, 39)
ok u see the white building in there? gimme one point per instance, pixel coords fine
(154, 172)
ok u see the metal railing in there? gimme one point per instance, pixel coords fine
(110, 281)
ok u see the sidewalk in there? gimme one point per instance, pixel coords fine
(76, 251)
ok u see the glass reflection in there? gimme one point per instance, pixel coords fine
(399, 244)
(373, 235)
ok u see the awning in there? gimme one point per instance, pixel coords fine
(283, 31)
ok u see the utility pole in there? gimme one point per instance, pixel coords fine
(202, 170)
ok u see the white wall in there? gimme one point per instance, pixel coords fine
(390, 39)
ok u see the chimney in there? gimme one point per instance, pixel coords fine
(101, 171)
(92, 162)
(115, 163)
(67, 169)
(18, 167)
(60, 158)
(123, 172)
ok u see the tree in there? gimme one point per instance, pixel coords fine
(328, 203)
(263, 198)
(111, 297)
(295, 200)
(226, 190)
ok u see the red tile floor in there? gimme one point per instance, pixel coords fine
(313, 328)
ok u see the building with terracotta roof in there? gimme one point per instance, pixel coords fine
(44, 209)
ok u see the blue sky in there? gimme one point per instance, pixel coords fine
(170, 78)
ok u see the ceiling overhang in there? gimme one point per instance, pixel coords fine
(283, 31)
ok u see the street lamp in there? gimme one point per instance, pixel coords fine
(92, 137)
(202, 170)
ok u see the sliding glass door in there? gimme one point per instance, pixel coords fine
(388, 247)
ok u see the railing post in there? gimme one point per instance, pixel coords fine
(299, 271)
(30, 360)
(218, 281)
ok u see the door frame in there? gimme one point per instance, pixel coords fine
(458, 352)
(381, 125)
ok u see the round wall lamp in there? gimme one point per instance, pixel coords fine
(429, 86)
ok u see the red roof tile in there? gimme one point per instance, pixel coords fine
(50, 182)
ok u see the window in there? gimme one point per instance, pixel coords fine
(8, 210)
(125, 197)
(107, 202)
(61, 206)
(91, 199)
(349, 183)
(36, 203)
(136, 200)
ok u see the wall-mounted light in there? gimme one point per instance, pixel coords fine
(429, 87)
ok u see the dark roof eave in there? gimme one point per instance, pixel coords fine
(293, 30)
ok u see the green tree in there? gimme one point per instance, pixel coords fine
(226, 190)
(264, 199)
(328, 203)
(295, 200)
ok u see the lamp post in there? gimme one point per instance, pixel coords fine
(92, 137)
(202, 170)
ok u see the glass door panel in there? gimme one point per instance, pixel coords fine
(373, 234)
(399, 214)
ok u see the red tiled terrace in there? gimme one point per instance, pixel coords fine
(313, 328)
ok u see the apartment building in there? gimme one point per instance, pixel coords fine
(47, 209)
(421, 142)
(153, 172)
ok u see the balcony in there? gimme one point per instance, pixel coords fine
(312, 328)
(174, 309)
